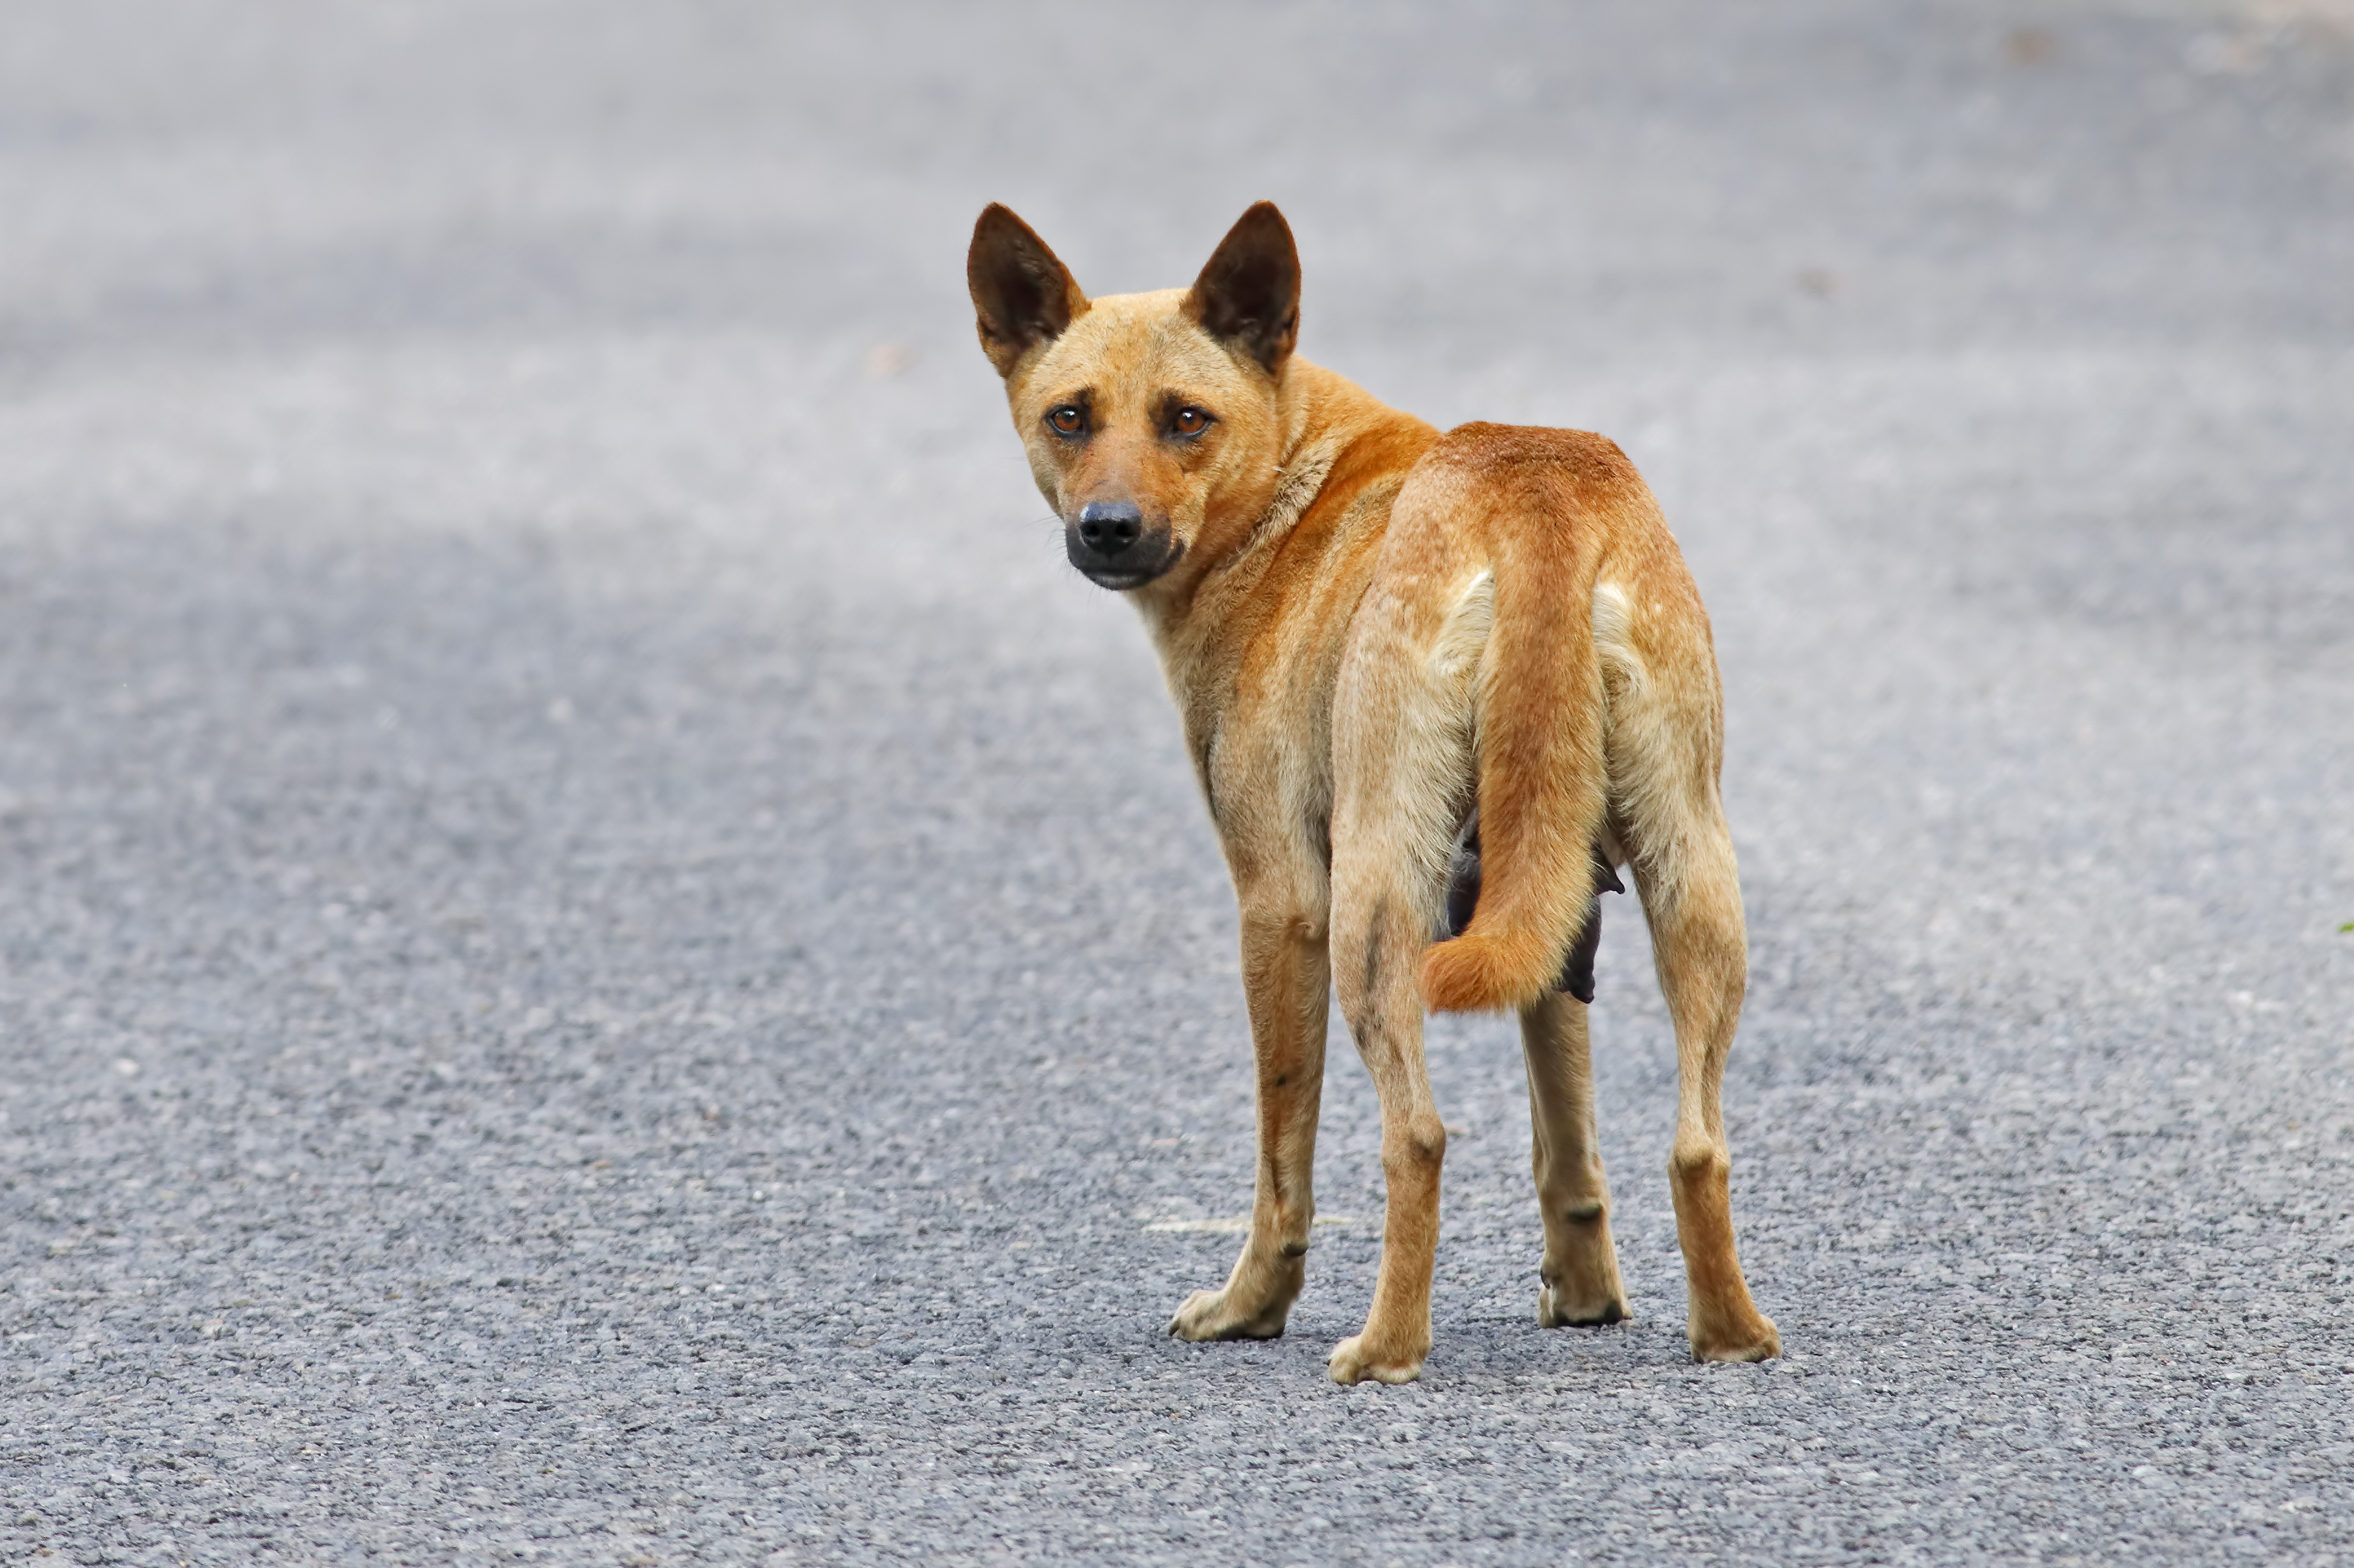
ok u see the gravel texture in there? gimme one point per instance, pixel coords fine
(604, 959)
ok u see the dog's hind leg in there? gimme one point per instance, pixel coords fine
(1381, 922)
(1702, 949)
(1664, 748)
(1665, 753)
(1580, 1272)
(1402, 761)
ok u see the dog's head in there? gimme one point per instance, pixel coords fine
(1152, 420)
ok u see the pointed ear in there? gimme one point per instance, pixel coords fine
(1248, 295)
(1022, 295)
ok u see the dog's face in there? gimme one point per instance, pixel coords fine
(1152, 420)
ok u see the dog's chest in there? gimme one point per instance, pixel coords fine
(1253, 671)
(1259, 732)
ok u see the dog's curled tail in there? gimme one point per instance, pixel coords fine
(1540, 498)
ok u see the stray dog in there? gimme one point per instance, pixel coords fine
(1437, 688)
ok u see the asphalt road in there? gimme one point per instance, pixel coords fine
(604, 959)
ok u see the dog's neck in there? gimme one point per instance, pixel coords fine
(1320, 417)
(1299, 479)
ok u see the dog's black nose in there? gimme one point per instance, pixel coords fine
(1107, 527)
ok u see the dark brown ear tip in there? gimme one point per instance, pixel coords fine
(1264, 221)
(1262, 231)
(997, 218)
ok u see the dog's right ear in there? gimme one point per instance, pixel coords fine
(1021, 296)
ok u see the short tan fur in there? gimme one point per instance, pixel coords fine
(1369, 627)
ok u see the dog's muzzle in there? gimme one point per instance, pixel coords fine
(1110, 542)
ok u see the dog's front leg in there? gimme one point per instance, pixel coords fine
(1285, 978)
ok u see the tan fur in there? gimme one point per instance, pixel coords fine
(1366, 627)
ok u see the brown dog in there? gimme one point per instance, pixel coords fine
(1374, 631)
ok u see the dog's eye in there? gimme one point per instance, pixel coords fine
(1191, 422)
(1068, 420)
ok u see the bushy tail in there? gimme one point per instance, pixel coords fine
(1540, 713)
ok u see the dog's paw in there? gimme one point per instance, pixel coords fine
(1558, 1305)
(1353, 1362)
(1209, 1315)
(1755, 1341)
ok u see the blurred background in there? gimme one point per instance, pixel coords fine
(604, 953)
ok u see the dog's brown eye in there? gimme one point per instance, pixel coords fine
(1068, 420)
(1191, 422)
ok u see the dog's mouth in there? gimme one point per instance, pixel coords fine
(1137, 562)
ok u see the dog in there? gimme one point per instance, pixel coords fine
(1437, 688)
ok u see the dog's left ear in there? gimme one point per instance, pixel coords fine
(1021, 294)
(1248, 295)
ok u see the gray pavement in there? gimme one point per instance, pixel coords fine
(604, 959)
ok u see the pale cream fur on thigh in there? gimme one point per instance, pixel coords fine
(1661, 734)
(1404, 755)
